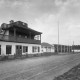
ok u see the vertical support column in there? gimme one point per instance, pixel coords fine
(57, 48)
(61, 48)
(67, 49)
(40, 38)
(14, 33)
(71, 49)
(64, 48)
(30, 35)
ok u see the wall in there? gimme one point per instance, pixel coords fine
(47, 49)
(3, 47)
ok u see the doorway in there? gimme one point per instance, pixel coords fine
(19, 50)
(8, 49)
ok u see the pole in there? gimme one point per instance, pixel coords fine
(58, 36)
(73, 46)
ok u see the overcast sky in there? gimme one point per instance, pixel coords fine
(44, 15)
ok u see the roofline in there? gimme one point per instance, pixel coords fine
(8, 26)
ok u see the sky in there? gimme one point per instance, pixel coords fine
(45, 16)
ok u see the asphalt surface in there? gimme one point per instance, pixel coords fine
(40, 68)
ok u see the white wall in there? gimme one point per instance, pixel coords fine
(43, 49)
(52, 49)
(3, 47)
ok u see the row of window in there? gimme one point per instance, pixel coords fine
(25, 49)
(34, 49)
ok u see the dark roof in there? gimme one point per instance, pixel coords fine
(20, 26)
(46, 44)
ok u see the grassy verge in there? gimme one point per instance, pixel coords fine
(72, 74)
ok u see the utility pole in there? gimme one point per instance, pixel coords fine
(58, 36)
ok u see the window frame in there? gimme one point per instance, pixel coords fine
(25, 49)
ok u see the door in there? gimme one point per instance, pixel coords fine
(19, 50)
(8, 49)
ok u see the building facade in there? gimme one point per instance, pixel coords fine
(46, 47)
(16, 38)
(76, 48)
(62, 48)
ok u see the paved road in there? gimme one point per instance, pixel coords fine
(41, 68)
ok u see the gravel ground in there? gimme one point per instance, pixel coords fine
(72, 74)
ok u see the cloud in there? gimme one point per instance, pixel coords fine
(11, 3)
(43, 15)
(47, 24)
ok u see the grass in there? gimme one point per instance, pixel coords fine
(72, 74)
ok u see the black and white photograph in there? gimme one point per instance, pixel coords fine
(39, 39)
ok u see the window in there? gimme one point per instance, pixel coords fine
(35, 49)
(25, 48)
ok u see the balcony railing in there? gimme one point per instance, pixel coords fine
(19, 39)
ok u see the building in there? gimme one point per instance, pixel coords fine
(16, 38)
(76, 48)
(62, 48)
(46, 47)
